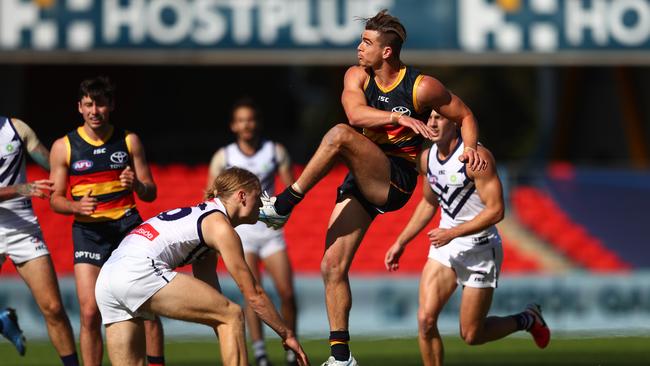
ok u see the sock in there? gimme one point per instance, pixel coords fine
(70, 360)
(524, 320)
(291, 356)
(286, 201)
(156, 360)
(339, 345)
(259, 349)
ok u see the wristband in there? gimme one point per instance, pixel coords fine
(469, 148)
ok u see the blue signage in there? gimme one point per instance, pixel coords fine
(535, 27)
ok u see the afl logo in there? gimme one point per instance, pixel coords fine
(119, 157)
(402, 110)
(81, 165)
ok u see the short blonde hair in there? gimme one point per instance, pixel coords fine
(230, 180)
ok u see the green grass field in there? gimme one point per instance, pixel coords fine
(401, 352)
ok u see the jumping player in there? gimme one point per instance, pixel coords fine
(390, 102)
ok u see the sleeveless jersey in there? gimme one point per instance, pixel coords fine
(173, 237)
(96, 166)
(12, 163)
(400, 97)
(263, 163)
(456, 193)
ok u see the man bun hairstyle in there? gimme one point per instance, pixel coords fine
(99, 87)
(392, 32)
(231, 180)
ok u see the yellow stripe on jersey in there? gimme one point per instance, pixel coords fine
(67, 145)
(128, 141)
(400, 77)
(365, 84)
(415, 93)
(88, 139)
(97, 188)
(105, 215)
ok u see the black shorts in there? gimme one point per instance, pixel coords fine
(95, 241)
(403, 179)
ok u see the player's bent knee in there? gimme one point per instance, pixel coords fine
(427, 324)
(52, 310)
(471, 336)
(331, 269)
(338, 135)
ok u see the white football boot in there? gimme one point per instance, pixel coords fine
(333, 362)
(268, 215)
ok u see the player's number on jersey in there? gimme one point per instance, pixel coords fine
(179, 213)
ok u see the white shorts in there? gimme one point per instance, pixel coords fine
(125, 283)
(21, 238)
(261, 240)
(476, 266)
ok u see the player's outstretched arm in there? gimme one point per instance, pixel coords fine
(139, 179)
(489, 189)
(433, 93)
(219, 235)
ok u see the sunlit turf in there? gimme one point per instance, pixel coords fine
(401, 352)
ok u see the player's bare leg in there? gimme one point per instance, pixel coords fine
(90, 335)
(475, 326)
(207, 307)
(155, 337)
(437, 284)
(39, 276)
(279, 268)
(255, 329)
(125, 342)
(347, 226)
(363, 157)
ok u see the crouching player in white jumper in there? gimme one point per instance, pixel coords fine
(465, 248)
(139, 278)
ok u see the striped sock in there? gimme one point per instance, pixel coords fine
(70, 360)
(156, 360)
(259, 349)
(339, 345)
(524, 320)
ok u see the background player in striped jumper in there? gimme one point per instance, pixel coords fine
(465, 248)
(264, 158)
(104, 165)
(22, 241)
(391, 103)
(139, 278)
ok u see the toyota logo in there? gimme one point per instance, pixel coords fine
(402, 110)
(119, 157)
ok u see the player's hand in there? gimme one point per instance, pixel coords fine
(473, 159)
(292, 343)
(86, 205)
(416, 125)
(391, 260)
(440, 237)
(41, 188)
(128, 179)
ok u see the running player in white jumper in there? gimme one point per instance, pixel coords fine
(139, 280)
(21, 238)
(264, 158)
(465, 248)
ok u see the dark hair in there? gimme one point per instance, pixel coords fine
(230, 180)
(99, 87)
(247, 102)
(392, 32)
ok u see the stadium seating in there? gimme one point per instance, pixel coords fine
(541, 214)
(180, 185)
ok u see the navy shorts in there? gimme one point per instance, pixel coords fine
(403, 179)
(95, 241)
